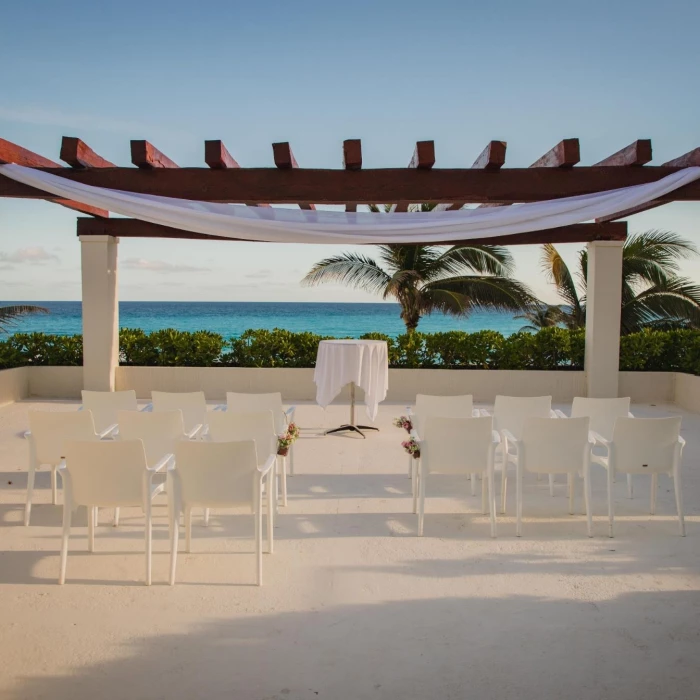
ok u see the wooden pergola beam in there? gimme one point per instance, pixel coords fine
(577, 233)
(285, 160)
(79, 155)
(216, 156)
(352, 160)
(564, 155)
(637, 153)
(687, 160)
(423, 159)
(12, 153)
(146, 156)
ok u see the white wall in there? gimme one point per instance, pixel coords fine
(687, 391)
(55, 382)
(14, 384)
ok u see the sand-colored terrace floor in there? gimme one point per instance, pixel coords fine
(354, 605)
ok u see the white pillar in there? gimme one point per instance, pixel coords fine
(100, 312)
(603, 308)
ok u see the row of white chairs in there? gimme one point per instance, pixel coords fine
(525, 433)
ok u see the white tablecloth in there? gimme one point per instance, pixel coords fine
(365, 362)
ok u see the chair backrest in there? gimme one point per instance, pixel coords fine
(554, 445)
(105, 405)
(602, 412)
(253, 403)
(51, 430)
(217, 473)
(192, 404)
(457, 445)
(106, 472)
(509, 412)
(645, 445)
(442, 406)
(158, 431)
(259, 427)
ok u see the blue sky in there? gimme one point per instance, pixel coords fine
(316, 73)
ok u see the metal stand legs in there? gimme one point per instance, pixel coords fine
(351, 425)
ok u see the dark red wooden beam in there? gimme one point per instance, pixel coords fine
(423, 159)
(216, 156)
(637, 153)
(687, 160)
(12, 153)
(578, 233)
(79, 155)
(146, 156)
(352, 160)
(285, 160)
(564, 155)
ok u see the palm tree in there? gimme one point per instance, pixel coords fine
(542, 316)
(425, 279)
(652, 292)
(9, 314)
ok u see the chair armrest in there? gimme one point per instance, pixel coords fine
(495, 437)
(485, 413)
(148, 408)
(164, 463)
(194, 432)
(413, 434)
(27, 434)
(110, 431)
(598, 439)
(409, 410)
(269, 464)
(556, 413)
(630, 414)
(681, 441)
(289, 414)
(220, 407)
(61, 464)
(510, 437)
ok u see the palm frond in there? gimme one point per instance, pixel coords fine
(10, 314)
(487, 292)
(351, 269)
(481, 259)
(557, 272)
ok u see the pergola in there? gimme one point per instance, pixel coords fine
(487, 183)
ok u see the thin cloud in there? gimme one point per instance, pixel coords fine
(33, 256)
(159, 266)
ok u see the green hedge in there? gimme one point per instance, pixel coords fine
(551, 348)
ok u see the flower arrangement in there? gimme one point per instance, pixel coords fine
(412, 448)
(286, 440)
(404, 422)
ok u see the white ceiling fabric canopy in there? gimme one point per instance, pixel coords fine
(281, 225)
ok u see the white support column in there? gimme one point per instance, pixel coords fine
(100, 312)
(603, 308)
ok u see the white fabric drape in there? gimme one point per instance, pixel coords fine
(365, 362)
(295, 226)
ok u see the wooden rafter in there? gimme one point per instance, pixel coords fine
(637, 153)
(352, 160)
(577, 233)
(423, 159)
(146, 156)
(564, 155)
(12, 153)
(691, 158)
(79, 155)
(285, 160)
(491, 160)
(217, 157)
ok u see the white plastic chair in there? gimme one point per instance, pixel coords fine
(510, 413)
(644, 446)
(259, 426)
(603, 414)
(218, 475)
(49, 432)
(193, 405)
(458, 446)
(461, 406)
(107, 474)
(252, 403)
(550, 446)
(105, 405)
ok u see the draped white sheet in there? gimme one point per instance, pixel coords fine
(296, 226)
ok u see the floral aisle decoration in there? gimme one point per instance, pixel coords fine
(404, 422)
(287, 439)
(412, 448)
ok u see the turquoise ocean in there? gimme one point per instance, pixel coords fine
(232, 318)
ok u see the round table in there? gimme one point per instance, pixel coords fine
(363, 363)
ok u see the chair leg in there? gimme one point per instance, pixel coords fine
(54, 486)
(115, 522)
(504, 484)
(630, 492)
(415, 466)
(484, 495)
(572, 489)
(421, 503)
(679, 500)
(291, 460)
(258, 534)
(654, 489)
(472, 478)
(410, 467)
(188, 529)
(206, 517)
(174, 518)
(518, 501)
(492, 502)
(283, 476)
(271, 508)
(30, 493)
(611, 508)
(67, 512)
(91, 528)
(587, 499)
(551, 485)
(149, 539)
